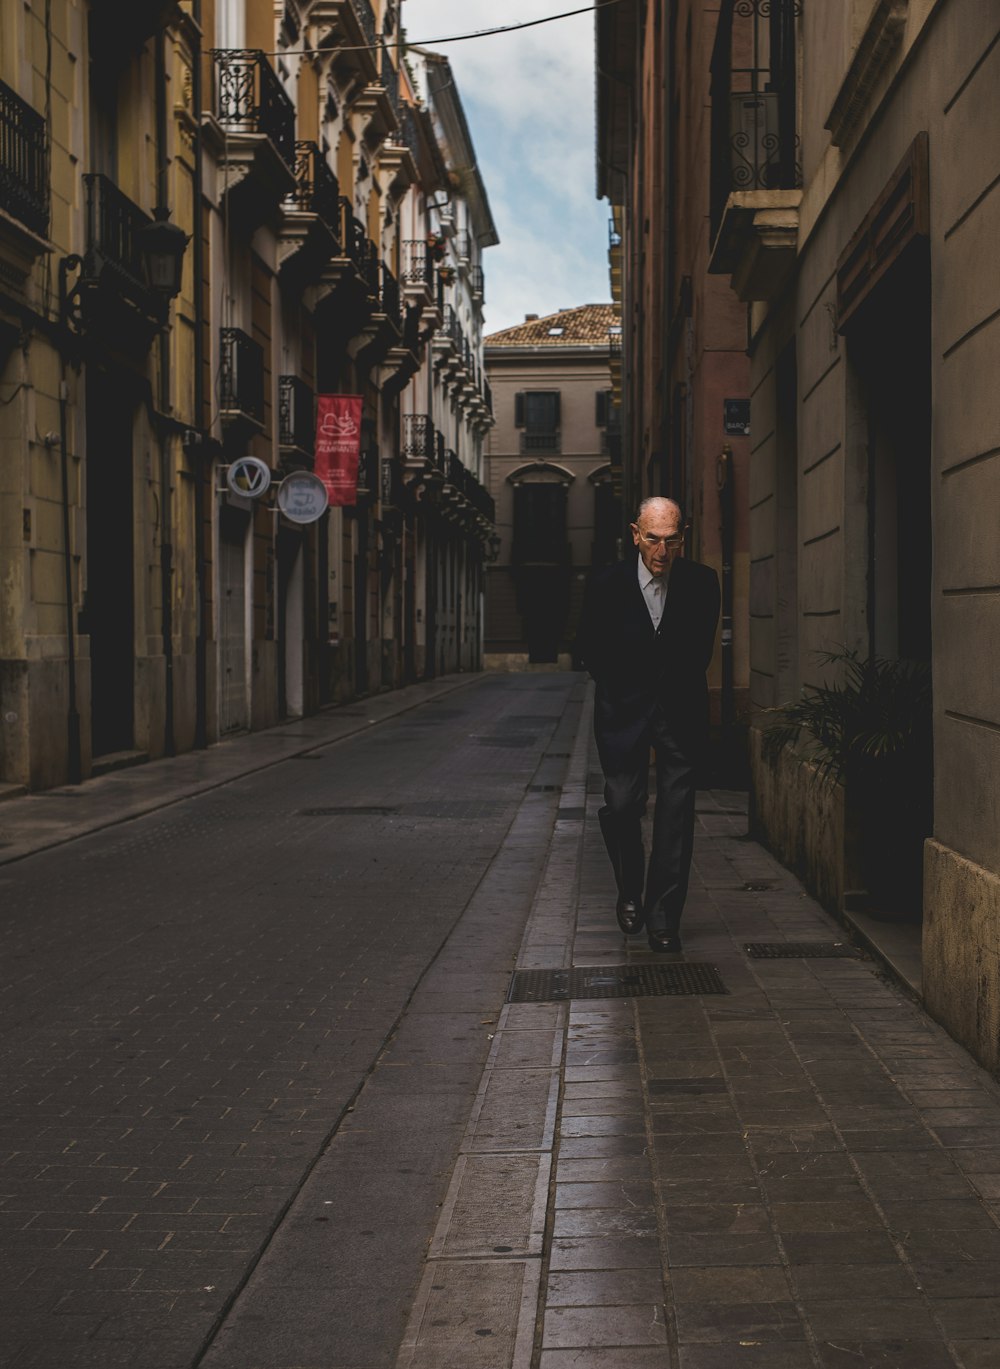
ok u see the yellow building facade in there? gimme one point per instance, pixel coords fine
(209, 212)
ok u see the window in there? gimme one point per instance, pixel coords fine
(537, 412)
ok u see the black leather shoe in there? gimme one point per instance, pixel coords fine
(630, 916)
(667, 943)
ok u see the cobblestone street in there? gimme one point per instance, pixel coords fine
(267, 1105)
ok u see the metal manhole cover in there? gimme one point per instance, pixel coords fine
(794, 950)
(613, 981)
(568, 814)
(349, 811)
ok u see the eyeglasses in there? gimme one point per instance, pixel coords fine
(672, 543)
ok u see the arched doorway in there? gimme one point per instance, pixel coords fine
(541, 560)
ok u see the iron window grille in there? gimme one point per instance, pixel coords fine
(537, 414)
(251, 98)
(24, 162)
(754, 142)
(242, 375)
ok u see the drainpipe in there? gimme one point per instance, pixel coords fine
(74, 762)
(727, 510)
(166, 512)
(201, 569)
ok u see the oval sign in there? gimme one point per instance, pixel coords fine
(249, 477)
(302, 497)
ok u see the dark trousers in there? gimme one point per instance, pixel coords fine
(662, 887)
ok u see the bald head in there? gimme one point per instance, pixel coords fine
(658, 504)
(658, 532)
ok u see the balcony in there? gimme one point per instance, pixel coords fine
(258, 148)
(241, 382)
(477, 284)
(347, 292)
(296, 421)
(379, 341)
(346, 28)
(111, 299)
(24, 163)
(310, 230)
(378, 103)
(418, 270)
(756, 177)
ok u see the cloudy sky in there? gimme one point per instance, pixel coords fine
(529, 100)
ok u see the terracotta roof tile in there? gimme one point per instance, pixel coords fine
(587, 324)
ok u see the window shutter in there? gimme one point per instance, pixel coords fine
(555, 411)
(519, 410)
(601, 408)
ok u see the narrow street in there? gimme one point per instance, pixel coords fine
(266, 1104)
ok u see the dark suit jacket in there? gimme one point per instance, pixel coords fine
(638, 670)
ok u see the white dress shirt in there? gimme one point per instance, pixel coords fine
(654, 591)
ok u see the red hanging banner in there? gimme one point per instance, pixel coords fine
(338, 445)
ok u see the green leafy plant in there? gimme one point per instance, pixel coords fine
(874, 721)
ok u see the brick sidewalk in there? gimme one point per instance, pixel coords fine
(803, 1172)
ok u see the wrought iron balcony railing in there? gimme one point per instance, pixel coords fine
(24, 162)
(241, 389)
(411, 136)
(391, 303)
(419, 436)
(372, 271)
(418, 263)
(754, 142)
(477, 283)
(316, 188)
(366, 17)
(114, 223)
(448, 323)
(615, 341)
(390, 80)
(251, 99)
(296, 414)
(353, 239)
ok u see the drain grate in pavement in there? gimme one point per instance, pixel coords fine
(570, 813)
(795, 950)
(613, 981)
(758, 886)
(349, 811)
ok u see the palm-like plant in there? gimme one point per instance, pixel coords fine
(875, 720)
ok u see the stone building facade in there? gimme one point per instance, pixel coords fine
(288, 157)
(853, 210)
(554, 474)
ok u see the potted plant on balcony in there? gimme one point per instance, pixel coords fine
(870, 732)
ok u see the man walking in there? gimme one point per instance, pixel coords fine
(646, 636)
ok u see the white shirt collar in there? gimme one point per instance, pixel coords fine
(646, 578)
